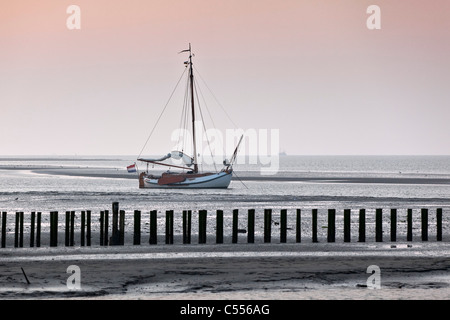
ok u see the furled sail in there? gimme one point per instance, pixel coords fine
(156, 160)
(177, 155)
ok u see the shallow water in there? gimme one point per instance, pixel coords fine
(26, 186)
(24, 189)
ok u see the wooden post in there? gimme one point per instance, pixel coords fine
(424, 213)
(267, 225)
(21, 229)
(234, 237)
(38, 230)
(379, 225)
(251, 226)
(3, 229)
(184, 226)
(16, 231)
(83, 228)
(362, 225)
(393, 225)
(51, 228)
(115, 224)
(54, 229)
(219, 226)
(202, 216)
(314, 226)
(331, 225)
(283, 226)
(66, 229)
(32, 226)
(169, 227)
(72, 228)
(347, 224)
(102, 227)
(137, 228)
(122, 227)
(189, 230)
(439, 224)
(88, 228)
(106, 232)
(409, 235)
(298, 235)
(153, 227)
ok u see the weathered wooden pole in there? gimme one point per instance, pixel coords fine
(184, 226)
(439, 224)
(21, 229)
(362, 225)
(200, 226)
(424, 214)
(251, 226)
(331, 225)
(51, 228)
(267, 225)
(314, 226)
(283, 226)
(32, 227)
(393, 225)
(54, 229)
(88, 228)
(53, 238)
(122, 227)
(4, 229)
(347, 224)
(16, 231)
(38, 230)
(169, 226)
(167, 234)
(72, 228)
(106, 232)
(102, 227)
(234, 236)
(298, 224)
(83, 228)
(379, 225)
(115, 224)
(219, 226)
(67, 229)
(153, 227)
(189, 226)
(137, 228)
(202, 216)
(409, 235)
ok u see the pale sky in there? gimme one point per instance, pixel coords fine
(309, 68)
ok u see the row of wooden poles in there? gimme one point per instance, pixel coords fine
(118, 227)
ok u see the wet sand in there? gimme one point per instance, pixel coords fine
(241, 271)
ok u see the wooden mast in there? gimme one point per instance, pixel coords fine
(191, 76)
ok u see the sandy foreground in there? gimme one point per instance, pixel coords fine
(334, 271)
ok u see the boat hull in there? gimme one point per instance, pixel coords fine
(219, 180)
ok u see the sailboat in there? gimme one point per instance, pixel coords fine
(188, 175)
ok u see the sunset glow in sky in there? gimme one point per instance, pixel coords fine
(310, 68)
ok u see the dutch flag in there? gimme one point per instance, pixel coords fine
(131, 168)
